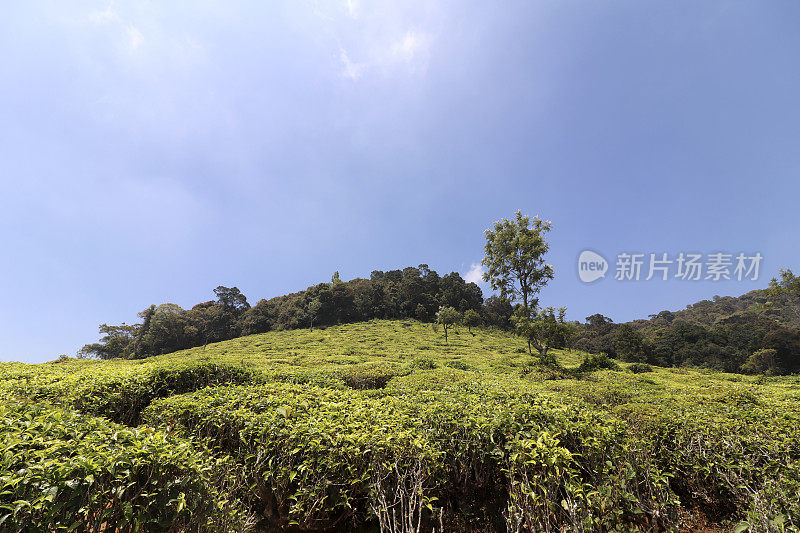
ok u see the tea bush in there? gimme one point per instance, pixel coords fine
(120, 392)
(388, 427)
(321, 458)
(62, 471)
(594, 362)
(371, 376)
(640, 368)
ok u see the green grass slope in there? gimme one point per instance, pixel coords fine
(384, 426)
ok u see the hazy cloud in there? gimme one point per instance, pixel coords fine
(351, 70)
(135, 37)
(379, 38)
(412, 46)
(105, 16)
(352, 8)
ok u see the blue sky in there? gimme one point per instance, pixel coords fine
(151, 151)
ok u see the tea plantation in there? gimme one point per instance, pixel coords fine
(383, 426)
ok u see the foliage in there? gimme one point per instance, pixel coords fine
(640, 368)
(630, 345)
(471, 319)
(594, 362)
(66, 472)
(544, 330)
(322, 466)
(514, 258)
(787, 285)
(762, 362)
(447, 317)
(121, 392)
(408, 293)
(721, 334)
(371, 375)
(686, 338)
(332, 429)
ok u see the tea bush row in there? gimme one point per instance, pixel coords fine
(63, 471)
(320, 458)
(119, 391)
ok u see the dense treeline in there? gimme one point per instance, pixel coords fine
(748, 341)
(414, 292)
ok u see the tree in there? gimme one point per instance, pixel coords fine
(116, 341)
(630, 345)
(168, 331)
(447, 317)
(515, 251)
(498, 311)
(231, 299)
(313, 310)
(786, 343)
(209, 323)
(599, 322)
(545, 330)
(138, 344)
(233, 305)
(514, 258)
(259, 318)
(762, 362)
(471, 319)
(787, 286)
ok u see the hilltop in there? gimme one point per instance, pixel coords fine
(721, 334)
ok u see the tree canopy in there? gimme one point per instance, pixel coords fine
(514, 258)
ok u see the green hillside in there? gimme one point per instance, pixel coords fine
(384, 426)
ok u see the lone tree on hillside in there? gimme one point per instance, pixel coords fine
(514, 259)
(447, 317)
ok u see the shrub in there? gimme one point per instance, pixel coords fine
(592, 362)
(753, 475)
(425, 362)
(458, 364)
(328, 459)
(640, 368)
(371, 376)
(762, 362)
(120, 392)
(62, 471)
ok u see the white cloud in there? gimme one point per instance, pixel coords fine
(412, 51)
(351, 70)
(378, 39)
(105, 16)
(412, 45)
(135, 37)
(132, 37)
(475, 274)
(352, 8)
